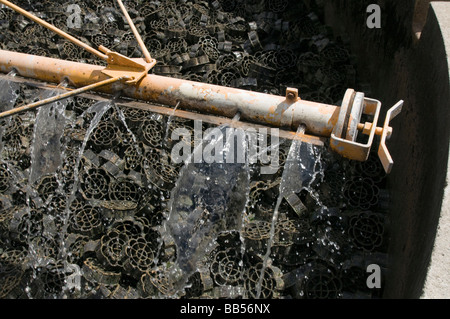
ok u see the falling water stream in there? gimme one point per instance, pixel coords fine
(46, 159)
(299, 172)
(8, 97)
(8, 92)
(169, 121)
(209, 198)
(48, 130)
(99, 108)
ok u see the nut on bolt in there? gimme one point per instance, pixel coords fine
(291, 94)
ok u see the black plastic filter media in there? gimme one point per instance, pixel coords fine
(90, 223)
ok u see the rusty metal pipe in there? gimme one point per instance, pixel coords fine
(278, 111)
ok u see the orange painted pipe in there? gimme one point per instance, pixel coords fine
(256, 107)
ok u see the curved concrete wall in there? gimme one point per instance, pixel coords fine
(437, 284)
(398, 66)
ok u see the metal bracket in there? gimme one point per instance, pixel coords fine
(383, 152)
(120, 65)
(343, 137)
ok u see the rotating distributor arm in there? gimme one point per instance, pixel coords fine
(342, 123)
(345, 132)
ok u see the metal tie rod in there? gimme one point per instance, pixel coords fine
(147, 55)
(37, 104)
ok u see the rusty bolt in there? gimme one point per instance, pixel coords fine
(291, 94)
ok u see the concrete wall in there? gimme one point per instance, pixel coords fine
(437, 284)
(398, 66)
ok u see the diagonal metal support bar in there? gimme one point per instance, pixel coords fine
(35, 105)
(147, 55)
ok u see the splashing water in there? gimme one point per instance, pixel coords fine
(9, 92)
(46, 159)
(99, 108)
(122, 118)
(169, 121)
(208, 198)
(46, 143)
(300, 171)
